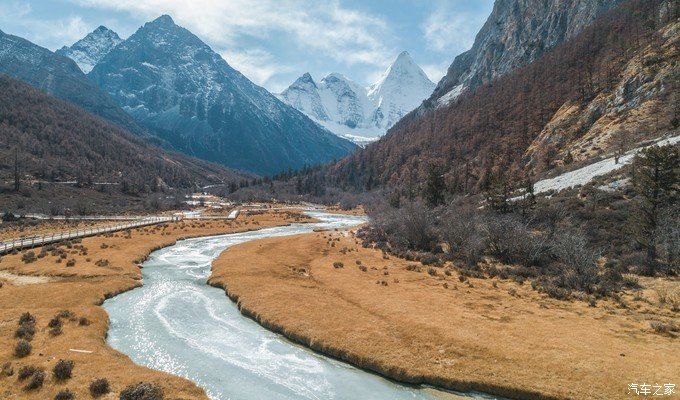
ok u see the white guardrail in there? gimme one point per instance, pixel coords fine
(40, 240)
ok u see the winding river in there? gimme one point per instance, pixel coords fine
(178, 324)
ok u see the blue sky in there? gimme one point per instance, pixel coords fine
(275, 41)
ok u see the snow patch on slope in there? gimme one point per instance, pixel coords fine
(585, 174)
(88, 51)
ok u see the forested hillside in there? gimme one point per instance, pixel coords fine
(612, 85)
(46, 139)
(59, 76)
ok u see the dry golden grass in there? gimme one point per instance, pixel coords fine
(15, 230)
(482, 334)
(81, 289)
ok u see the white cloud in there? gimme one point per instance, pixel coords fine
(452, 27)
(347, 36)
(51, 33)
(256, 64)
(14, 9)
(435, 71)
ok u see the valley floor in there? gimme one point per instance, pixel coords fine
(48, 286)
(426, 326)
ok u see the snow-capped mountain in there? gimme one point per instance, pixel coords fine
(358, 113)
(398, 91)
(60, 77)
(176, 85)
(88, 51)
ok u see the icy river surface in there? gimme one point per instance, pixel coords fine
(178, 324)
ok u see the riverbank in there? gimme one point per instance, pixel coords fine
(417, 325)
(78, 277)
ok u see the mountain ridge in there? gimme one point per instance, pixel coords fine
(172, 82)
(360, 113)
(516, 33)
(88, 51)
(61, 77)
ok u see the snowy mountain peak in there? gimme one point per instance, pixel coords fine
(164, 19)
(88, 51)
(356, 112)
(172, 82)
(305, 79)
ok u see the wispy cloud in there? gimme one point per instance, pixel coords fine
(435, 71)
(14, 9)
(345, 35)
(452, 25)
(258, 65)
(49, 32)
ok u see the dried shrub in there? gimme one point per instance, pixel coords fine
(22, 348)
(26, 371)
(338, 264)
(142, 391)
(29, 257)
(25, 331)
(665, 328)
(36, 380)
(7, 369)
(65, 395)
(102, 263)
(99, 387)
(63, 370)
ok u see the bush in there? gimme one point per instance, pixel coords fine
(461, 230)
(26, 371)
(25, 331)
(66, 314)
(577, 263)
(65, 395)
(7, 369)
(513, 242)
(99, 387)
(338, 264)
(26, 318)
(63, 370)
(432, 272)
(663, 327)
(55, 322)
(142, 391)
(29, 257)
(83, 321)
(22, 349)
(36, 380)
(102, 263)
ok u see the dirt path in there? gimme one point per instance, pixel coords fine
(489, 335)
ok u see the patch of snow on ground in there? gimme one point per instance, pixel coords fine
(584, 175)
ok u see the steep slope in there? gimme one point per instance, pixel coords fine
(59, 76)
(357, 113)
(398, 91)
(516, 33)
(172, 82)
(611, 86)
(88, 51)
(54, 140)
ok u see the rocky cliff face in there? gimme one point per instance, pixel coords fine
(173, 83)
(516, 33)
